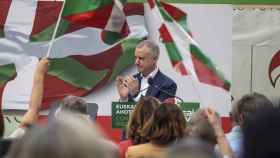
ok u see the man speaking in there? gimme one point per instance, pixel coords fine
(149, 81)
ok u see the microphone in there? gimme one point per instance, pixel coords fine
(151, 81)
(140, 91)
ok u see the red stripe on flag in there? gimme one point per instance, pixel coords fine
(134, 9)
(164, 34)
(206, 75)
(4, 10)
(152, 3)
(173, 11)
(96, 18)
(56, 89)
(180, 67)
(73, 27)
(96, 62)
(125, 30)
(47, 13)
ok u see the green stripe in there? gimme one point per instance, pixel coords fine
(79, 6)
(7, 72)
(123, 1)
(1, 33)
(196, 51)
(218, 1)
(127, 58)
(183, 22)
(75, 73)
(163, 13)
(173, 52)
(46, 35)
(112, 37)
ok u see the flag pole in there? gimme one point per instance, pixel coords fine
(55, 29)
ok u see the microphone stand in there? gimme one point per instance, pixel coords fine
(150, 81)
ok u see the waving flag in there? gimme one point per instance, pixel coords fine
(184, 53)
(94, 43)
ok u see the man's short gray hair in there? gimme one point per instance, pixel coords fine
(74, 104)
(154, 49)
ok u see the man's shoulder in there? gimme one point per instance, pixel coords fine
(164, 78)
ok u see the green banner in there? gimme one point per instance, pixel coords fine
(121, 111)
(188, 109)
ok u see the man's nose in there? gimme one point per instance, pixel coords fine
(136, 61)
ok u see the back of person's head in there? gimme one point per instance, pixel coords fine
(248, 105)
(73, 104)
(67, 136)
(167, 125)
(143, 110)
(261, 134)
(201, 128)
(191, 147)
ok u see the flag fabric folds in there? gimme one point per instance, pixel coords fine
(95, 41)
(184, 52)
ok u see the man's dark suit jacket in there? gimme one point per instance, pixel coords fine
(163, 82)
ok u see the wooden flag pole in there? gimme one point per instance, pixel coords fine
(55, 29)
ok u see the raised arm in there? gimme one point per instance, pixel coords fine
(32, 114)
(223, 144)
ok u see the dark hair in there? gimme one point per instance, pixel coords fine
(1, 124)
(166, 125)
(233, 114)
(261, 134)
(74, 104)
(249, 103)
(143, 110)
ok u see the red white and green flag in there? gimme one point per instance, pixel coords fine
(183, 51)
(95, 41)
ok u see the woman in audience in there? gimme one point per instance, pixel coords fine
(68, 136)
(165, 127)
(143, 110)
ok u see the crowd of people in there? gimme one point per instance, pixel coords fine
(156, 128)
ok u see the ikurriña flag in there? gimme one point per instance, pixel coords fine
(94, 43)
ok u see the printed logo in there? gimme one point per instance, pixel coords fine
(274, 69)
